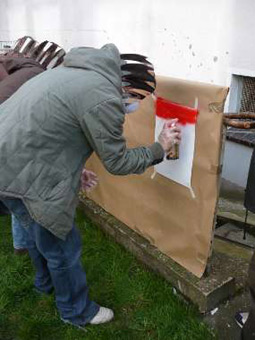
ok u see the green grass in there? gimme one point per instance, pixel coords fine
(144, 304)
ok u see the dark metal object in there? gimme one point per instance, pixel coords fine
(249, 199)
(245, 120)
(173, 153)
(245, 226)
(241, 136)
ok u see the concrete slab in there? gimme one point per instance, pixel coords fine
(227, 274)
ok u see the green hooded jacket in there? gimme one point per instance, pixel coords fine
(51, 126)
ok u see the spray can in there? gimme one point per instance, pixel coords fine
(173, 153)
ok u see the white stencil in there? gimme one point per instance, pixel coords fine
(179, 170)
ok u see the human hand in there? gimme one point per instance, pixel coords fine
(170, 134)
(88, 180)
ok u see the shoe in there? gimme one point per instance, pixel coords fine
(241, 318)
(20, 251)
(104, 315)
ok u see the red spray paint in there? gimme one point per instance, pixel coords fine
(167, 109)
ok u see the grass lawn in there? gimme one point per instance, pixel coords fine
(144, 304)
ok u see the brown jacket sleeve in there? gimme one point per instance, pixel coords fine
(19, 70)
(11, 83)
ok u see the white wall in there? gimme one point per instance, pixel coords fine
(242, 37)
(195, 39)
(236, 165)
(185, 39)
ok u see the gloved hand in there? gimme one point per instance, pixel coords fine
(88, 180)
(170, 135)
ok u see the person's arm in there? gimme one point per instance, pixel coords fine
(13, 82)
(103, 127)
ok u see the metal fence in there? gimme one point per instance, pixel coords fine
(248, 95)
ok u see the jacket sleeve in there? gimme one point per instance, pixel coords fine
(103, 128)
(9, 85)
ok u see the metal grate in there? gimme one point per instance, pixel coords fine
(248, 95)
(247, 104)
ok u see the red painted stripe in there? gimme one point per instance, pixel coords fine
(167, 109)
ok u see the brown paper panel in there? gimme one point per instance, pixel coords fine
(161, 210)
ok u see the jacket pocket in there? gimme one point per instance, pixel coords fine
(55, 191)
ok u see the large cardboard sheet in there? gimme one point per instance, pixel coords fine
(163, 211)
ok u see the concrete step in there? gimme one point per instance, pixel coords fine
(234, 210)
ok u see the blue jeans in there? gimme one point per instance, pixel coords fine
(19, 234)
(57, 265)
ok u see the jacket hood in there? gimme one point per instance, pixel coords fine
(105, 61)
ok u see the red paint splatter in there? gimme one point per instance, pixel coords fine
(167, 109)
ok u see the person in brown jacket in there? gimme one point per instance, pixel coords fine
(15, 70)
(25, 61)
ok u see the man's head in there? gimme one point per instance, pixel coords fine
(138, 80)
